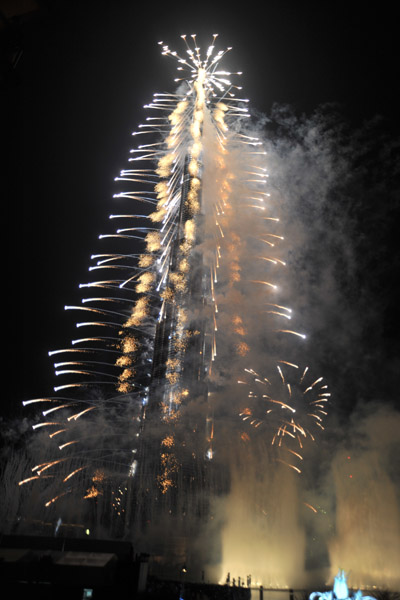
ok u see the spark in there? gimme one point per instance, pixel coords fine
(73, 473)
(56, 498)
(302, 335)
(265, 283)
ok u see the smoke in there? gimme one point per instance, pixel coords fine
(365, 472)
(339, 188)
(334, 187)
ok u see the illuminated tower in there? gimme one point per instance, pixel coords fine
(188, 368)
(179, 479)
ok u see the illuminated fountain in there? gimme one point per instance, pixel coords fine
(340, 591)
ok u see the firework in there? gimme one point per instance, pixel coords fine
(288, 406)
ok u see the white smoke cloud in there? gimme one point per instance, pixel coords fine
(322, 171)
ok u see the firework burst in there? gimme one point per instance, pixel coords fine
(288, 406)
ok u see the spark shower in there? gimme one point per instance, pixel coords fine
(186, 407)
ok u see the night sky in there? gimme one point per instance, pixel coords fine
(77, 92)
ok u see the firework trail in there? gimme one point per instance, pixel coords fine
(187, 292)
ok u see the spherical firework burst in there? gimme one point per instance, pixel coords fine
(288, 406)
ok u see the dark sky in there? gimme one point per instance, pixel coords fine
(77, 91)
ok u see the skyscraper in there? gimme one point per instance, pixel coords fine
(168, 397)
